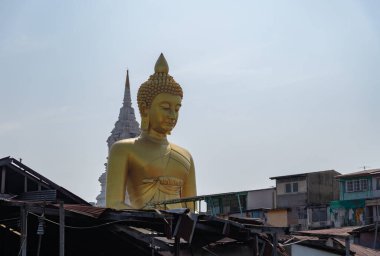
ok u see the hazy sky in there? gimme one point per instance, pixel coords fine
(270, 87)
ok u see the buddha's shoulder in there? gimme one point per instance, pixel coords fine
(181, 152)
(123, 145)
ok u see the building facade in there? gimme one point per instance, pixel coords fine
(253, 203)
(307, 197)
(359, 199)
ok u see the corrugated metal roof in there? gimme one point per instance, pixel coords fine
(30, 173)
(359, 173)
(87, 210)
(299, 175)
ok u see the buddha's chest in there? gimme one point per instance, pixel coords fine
(158, 162)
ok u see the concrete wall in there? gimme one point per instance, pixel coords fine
(300, 250)
(264, 198)
(291, 200)
(322, 187)
(277, 217)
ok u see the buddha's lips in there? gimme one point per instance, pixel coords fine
(170, 123)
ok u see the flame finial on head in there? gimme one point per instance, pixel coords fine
(161, 65)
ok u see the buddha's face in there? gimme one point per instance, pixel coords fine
(163, 112)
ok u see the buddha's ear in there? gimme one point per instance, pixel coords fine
(144, 109)
(144, 117)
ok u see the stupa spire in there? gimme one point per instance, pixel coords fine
(125, 127)
(127, 91)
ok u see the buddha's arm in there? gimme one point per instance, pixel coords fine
(117, 171)
(190, 186)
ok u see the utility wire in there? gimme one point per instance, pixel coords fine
(88, 227)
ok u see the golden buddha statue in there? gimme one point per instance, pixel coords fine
(148, 167)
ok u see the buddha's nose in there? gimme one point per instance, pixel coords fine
(172, 114)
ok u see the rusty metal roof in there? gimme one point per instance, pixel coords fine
(337, 232)
(361, 250)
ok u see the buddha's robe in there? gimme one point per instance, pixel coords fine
(154, 170)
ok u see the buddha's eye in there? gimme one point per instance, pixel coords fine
(165, 106)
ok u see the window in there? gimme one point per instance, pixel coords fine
(357, 185)
(349, 186)
(291, 187)
(364, 185)
(378, 183)
(295, 187)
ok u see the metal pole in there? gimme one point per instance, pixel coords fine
(61, 229)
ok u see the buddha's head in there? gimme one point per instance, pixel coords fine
(159, 100)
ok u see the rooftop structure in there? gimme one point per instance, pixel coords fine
(62, 223)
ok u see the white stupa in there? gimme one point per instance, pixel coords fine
(125, 127)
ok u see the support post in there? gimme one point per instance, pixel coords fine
(61, 229)
(274, 235)
(177, 244)
(3, 175)
(376, 229)
(24, 230)
(199, 206)
(25, 184)
(256, 245)
(347, 245)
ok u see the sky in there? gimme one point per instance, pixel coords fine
(270, 87)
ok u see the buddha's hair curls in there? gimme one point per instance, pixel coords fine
(157, 83)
